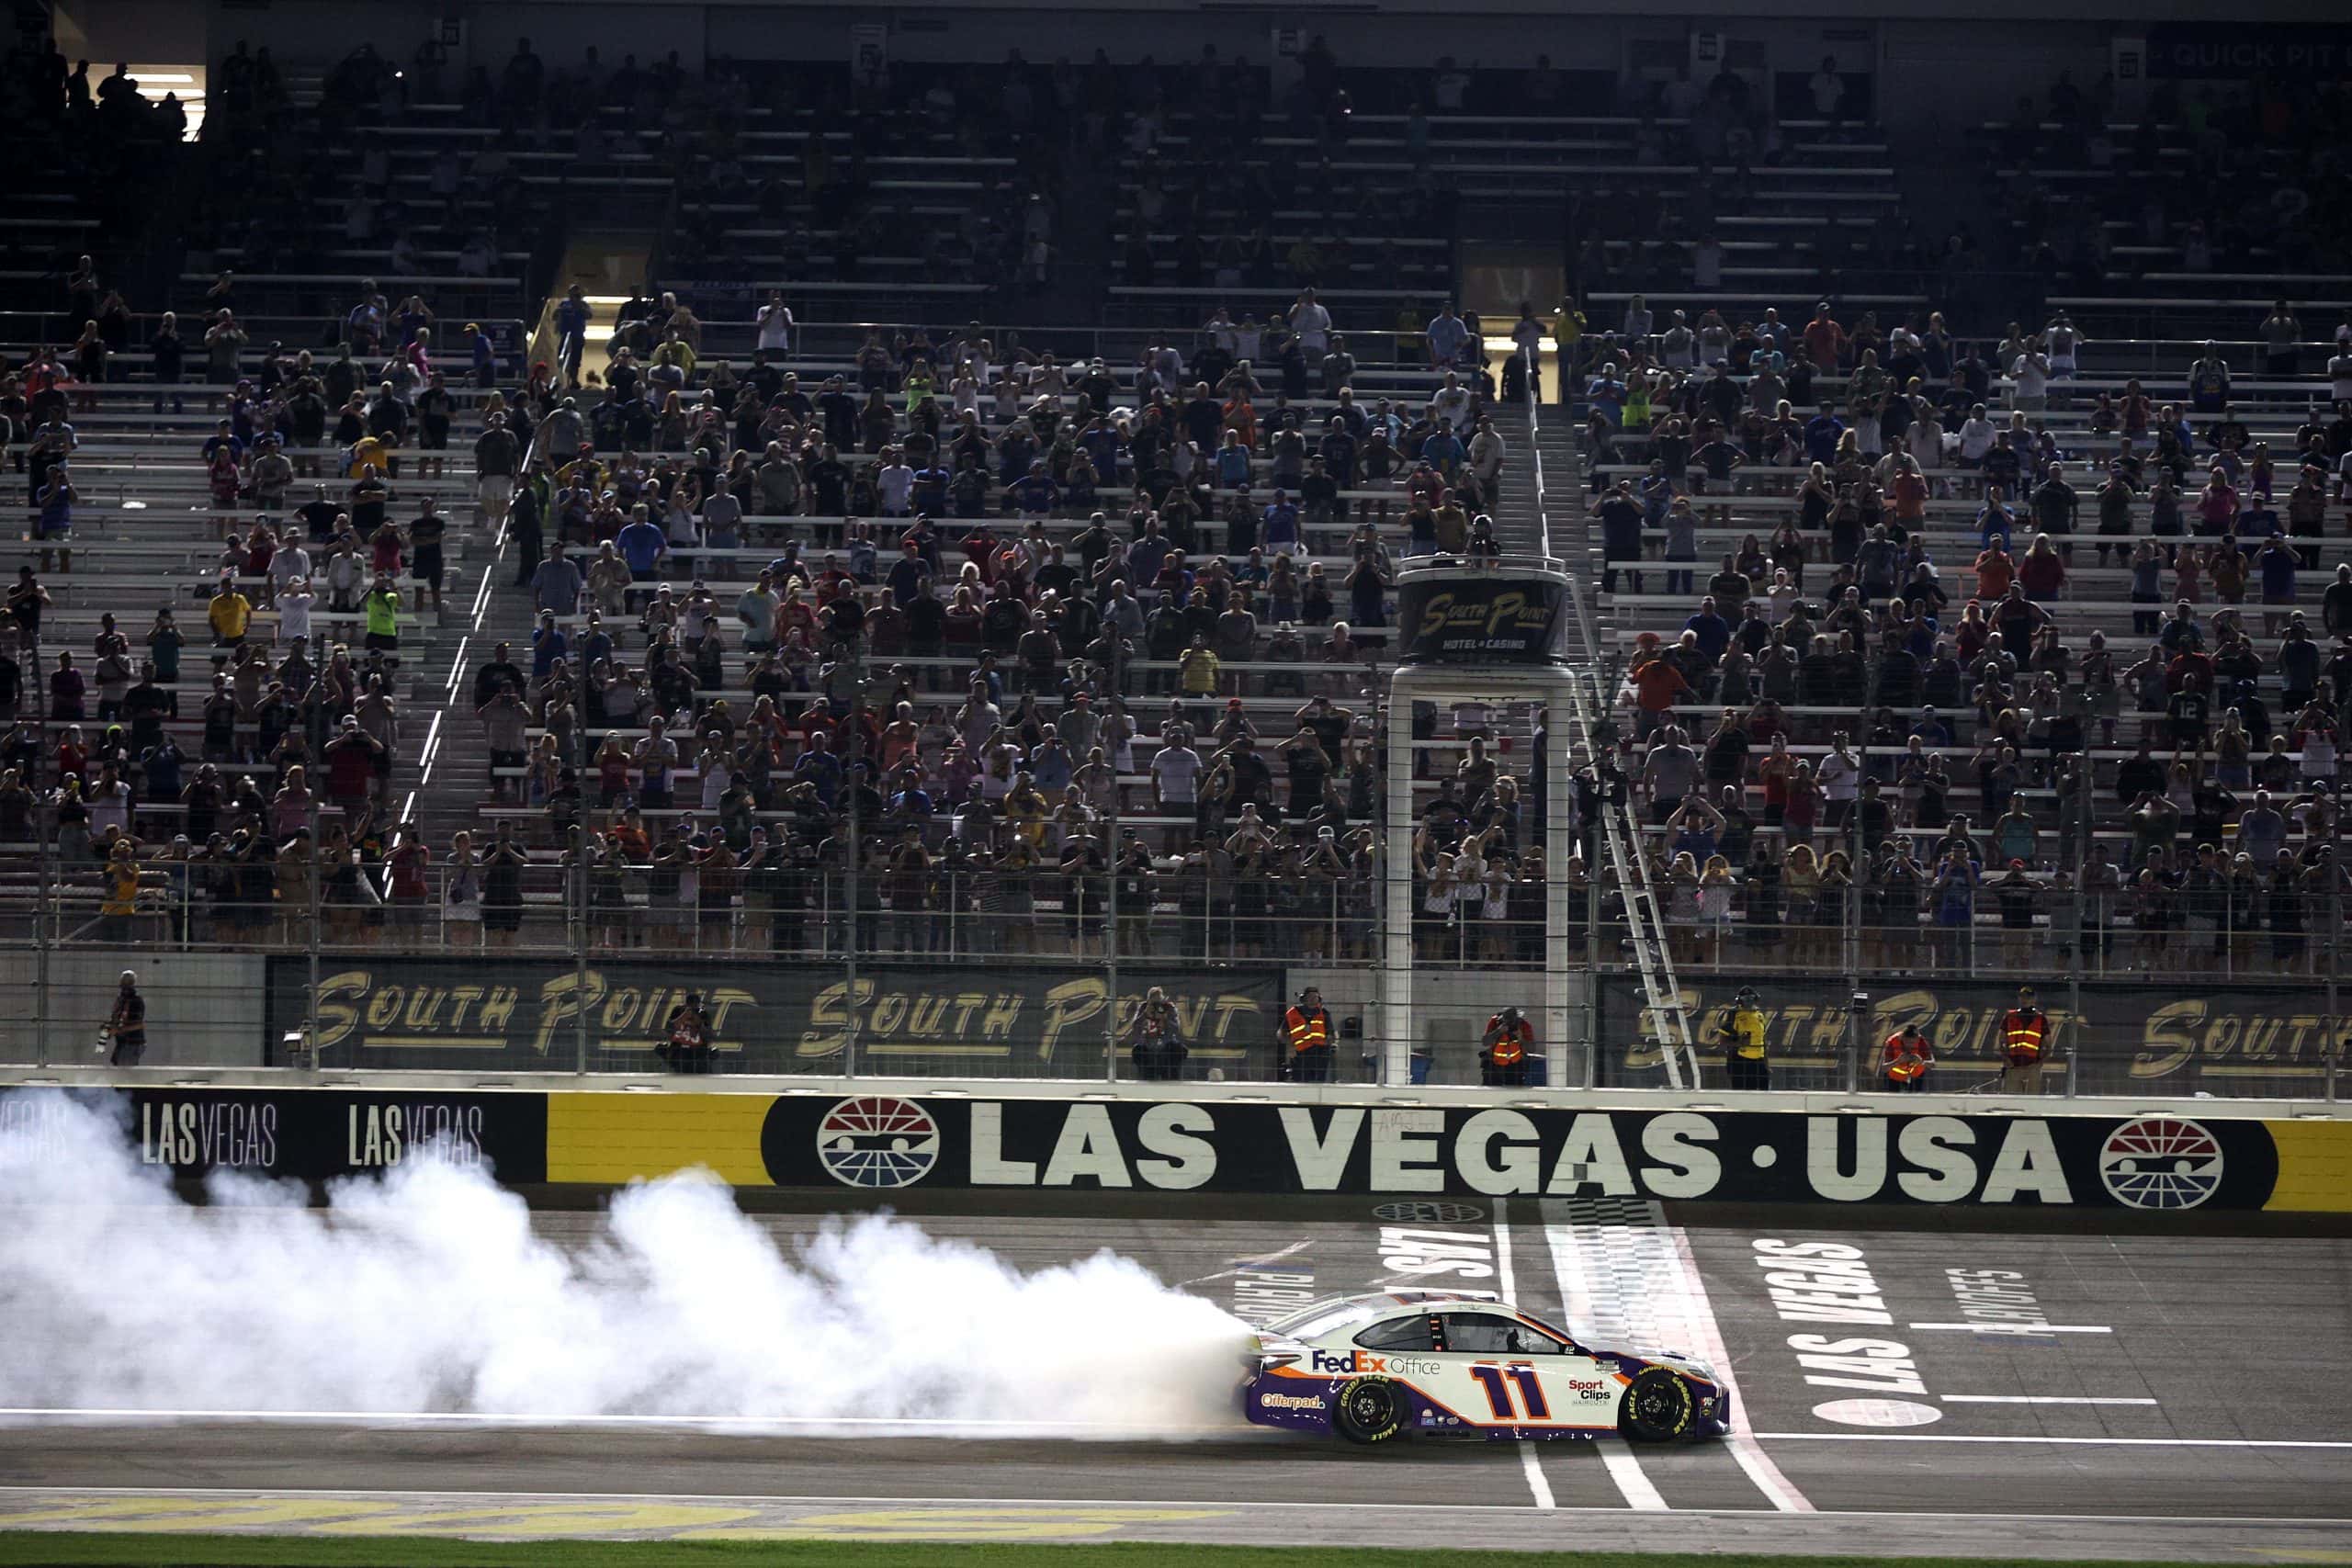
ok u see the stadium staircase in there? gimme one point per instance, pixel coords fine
(1544, 489)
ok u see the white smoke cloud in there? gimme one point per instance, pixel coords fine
(426, 1291)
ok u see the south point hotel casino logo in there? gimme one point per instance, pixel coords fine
(429, 1007)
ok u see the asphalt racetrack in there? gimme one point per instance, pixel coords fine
(1952, 1391)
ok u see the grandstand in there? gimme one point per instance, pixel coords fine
(929, 540)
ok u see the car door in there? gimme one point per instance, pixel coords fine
(1501, 1371)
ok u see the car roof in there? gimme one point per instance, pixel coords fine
(1424, 1301)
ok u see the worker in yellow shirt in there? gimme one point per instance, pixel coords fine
(231, 614)
(1746, 1057)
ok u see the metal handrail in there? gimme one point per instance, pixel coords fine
(1417, 566)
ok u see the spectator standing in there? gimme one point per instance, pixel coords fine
(124, 1038)
(2025, 1034)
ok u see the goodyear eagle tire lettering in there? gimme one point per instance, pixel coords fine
(1657, 1407)
(1370, 1410)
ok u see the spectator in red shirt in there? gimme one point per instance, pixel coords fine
(1824, 340)
(1994, 571)
(1657, 684)
(2042, 572)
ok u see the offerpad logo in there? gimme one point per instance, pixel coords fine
(874, 1141)
(2160, 1162)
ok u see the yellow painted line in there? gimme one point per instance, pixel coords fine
(958, 1524)
(625, 1138)
(576, 1518)
(2315, 1167)
(189, 1514)
(535, 1521)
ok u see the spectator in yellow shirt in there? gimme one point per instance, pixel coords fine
(367, 453)
(680, 352)
(382, 606)
(1024, 810)
(1198, 668)
(230, 613)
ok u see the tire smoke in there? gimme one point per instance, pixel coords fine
(428, 1291)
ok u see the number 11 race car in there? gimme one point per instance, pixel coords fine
(1445, 1363)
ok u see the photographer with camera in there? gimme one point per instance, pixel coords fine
(687, 1047)
(1156, 1039)
(1502, 1059)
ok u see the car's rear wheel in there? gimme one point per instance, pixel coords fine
(1657, 1407)
(1371, 1410)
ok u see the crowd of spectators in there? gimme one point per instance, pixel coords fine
(1893, 694)
(1108, 592)
(960, 641)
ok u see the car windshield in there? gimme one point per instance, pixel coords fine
(1330, 1316)
(1553, 1329)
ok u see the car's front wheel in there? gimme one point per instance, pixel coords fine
(1371, 1410)
(1657, 1407)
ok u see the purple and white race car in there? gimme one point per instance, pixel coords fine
(1455, 1363)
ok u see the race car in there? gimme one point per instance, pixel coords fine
(1451, 1363)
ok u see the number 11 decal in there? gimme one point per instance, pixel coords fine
(1499, 1400)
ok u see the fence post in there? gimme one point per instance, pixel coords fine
(45, 824)
(1110, 941)
(2333, 1044)
(575, 896)
(2080, 1031)
(310, 995)
(1857, 1006)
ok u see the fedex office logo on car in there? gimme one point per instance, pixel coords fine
(1364, 1362)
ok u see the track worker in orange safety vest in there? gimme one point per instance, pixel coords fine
(1908, 1058)
(2025, 1036)
(1503, 1059)
(1306, 1039)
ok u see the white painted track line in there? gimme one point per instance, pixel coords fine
(2071, 1442)
(1538, 1487)
(1700, 1316)
(1626, 1472)
(1616, 1457)
(2033, 1399)
(2014, 1327)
